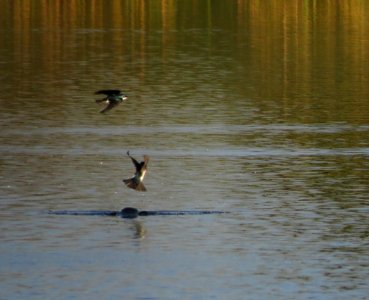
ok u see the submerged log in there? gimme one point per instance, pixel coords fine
(132, 212)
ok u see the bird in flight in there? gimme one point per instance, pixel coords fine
(136, 182)
(112, 98)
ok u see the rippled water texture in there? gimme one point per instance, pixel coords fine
(256, 108)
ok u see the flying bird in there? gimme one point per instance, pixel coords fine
(112, 99)
(136, 182)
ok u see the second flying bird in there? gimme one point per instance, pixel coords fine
(113, 98)
(136, 182)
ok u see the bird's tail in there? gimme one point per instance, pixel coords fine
(133, 184)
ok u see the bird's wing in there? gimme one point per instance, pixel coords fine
(140, 187)
(136, 163)
(133, 184)
(101, 100)
(146, 160)
(108, 107)
(109, 92)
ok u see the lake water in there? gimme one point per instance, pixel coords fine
(256, 108)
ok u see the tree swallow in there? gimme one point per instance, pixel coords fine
(113, 98)
(136, 182)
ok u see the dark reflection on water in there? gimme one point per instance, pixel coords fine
(257, 108)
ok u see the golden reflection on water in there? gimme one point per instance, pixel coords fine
(297, 53)
(247, 106)
(298, 47)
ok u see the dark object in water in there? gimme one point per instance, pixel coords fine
(129, 212)
(132, 213)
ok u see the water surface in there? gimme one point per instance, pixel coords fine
(258, 109)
